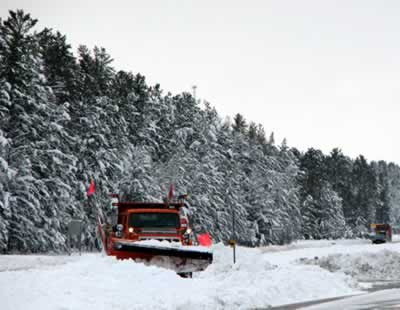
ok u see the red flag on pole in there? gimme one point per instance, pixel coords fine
(91, 190)
(171, 192)
(204, 239)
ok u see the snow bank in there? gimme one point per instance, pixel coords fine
(19, 262)
(304, 244)
(384, 265)
(93, 281)
(255, 281)
(261, 277)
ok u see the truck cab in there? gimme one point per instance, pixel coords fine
(139, 221)
(153, 232)
(381, 233)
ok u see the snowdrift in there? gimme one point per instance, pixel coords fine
(93, 281)
(261, 277)
(368, 267)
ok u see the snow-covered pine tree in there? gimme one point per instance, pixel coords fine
(5, 104)
(289, 194)
(57, 165)
(311, 181)
(394, 194)
(5, 212)
(252, 132)
(261, 206)
(322, 210)
(339, 171)
(364, 195)
(332, 222)
(60, 67)
(134, 140)
(101, 148)
(312, 163)
(382, 212)
(260, 136)
(138, 181)
(309, 214)
(95, 75)
(203, 180)
(25, 126)
(239, 124)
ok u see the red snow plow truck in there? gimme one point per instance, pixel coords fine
(154, 233)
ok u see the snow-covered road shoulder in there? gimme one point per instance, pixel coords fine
(25, 262)
(261, 277)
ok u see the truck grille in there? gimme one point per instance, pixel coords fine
(159, 230)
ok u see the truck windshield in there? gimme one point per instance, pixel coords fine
(154, 220)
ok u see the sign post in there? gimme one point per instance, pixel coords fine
(75, 228)
(232, 244)
(234, 234)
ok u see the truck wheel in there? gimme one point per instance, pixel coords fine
(188, 275)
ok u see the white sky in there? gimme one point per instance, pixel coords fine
(322, 74)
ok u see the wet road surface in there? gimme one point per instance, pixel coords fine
(390, 303)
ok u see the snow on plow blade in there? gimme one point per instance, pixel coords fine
(180, 259)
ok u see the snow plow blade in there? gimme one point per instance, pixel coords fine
(159, 251)
(182, 259)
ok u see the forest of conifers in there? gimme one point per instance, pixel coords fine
(66, 119)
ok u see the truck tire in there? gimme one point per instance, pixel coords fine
(188, 275)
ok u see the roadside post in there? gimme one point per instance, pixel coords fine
(232, 244)
(75, 228)
(233, 241)
(228, 193)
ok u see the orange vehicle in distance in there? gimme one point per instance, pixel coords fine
(381, 233)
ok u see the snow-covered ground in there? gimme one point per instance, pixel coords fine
(277, 275)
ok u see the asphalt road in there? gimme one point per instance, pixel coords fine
(390, 303)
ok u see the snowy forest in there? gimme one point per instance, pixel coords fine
(68, 118)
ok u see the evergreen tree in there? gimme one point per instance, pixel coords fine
(252, 132)
(260, 135)
(271, 140)
(313, 165)
(38, 152)
(364, 195)
(138, 183)
(25, 125)
(5, 212)
(332, 222)
(96, 73)
(239, 124)
(339, 175)
(122, 86)
(322, 209)
(383, 204)
(60, 67)
(394, 193)
(310, 217)
(17, 46)
(65, 122)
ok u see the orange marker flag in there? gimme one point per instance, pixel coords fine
(204, 239)
(171, 192)
(91, 190)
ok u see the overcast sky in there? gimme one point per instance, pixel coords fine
(323, 74)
